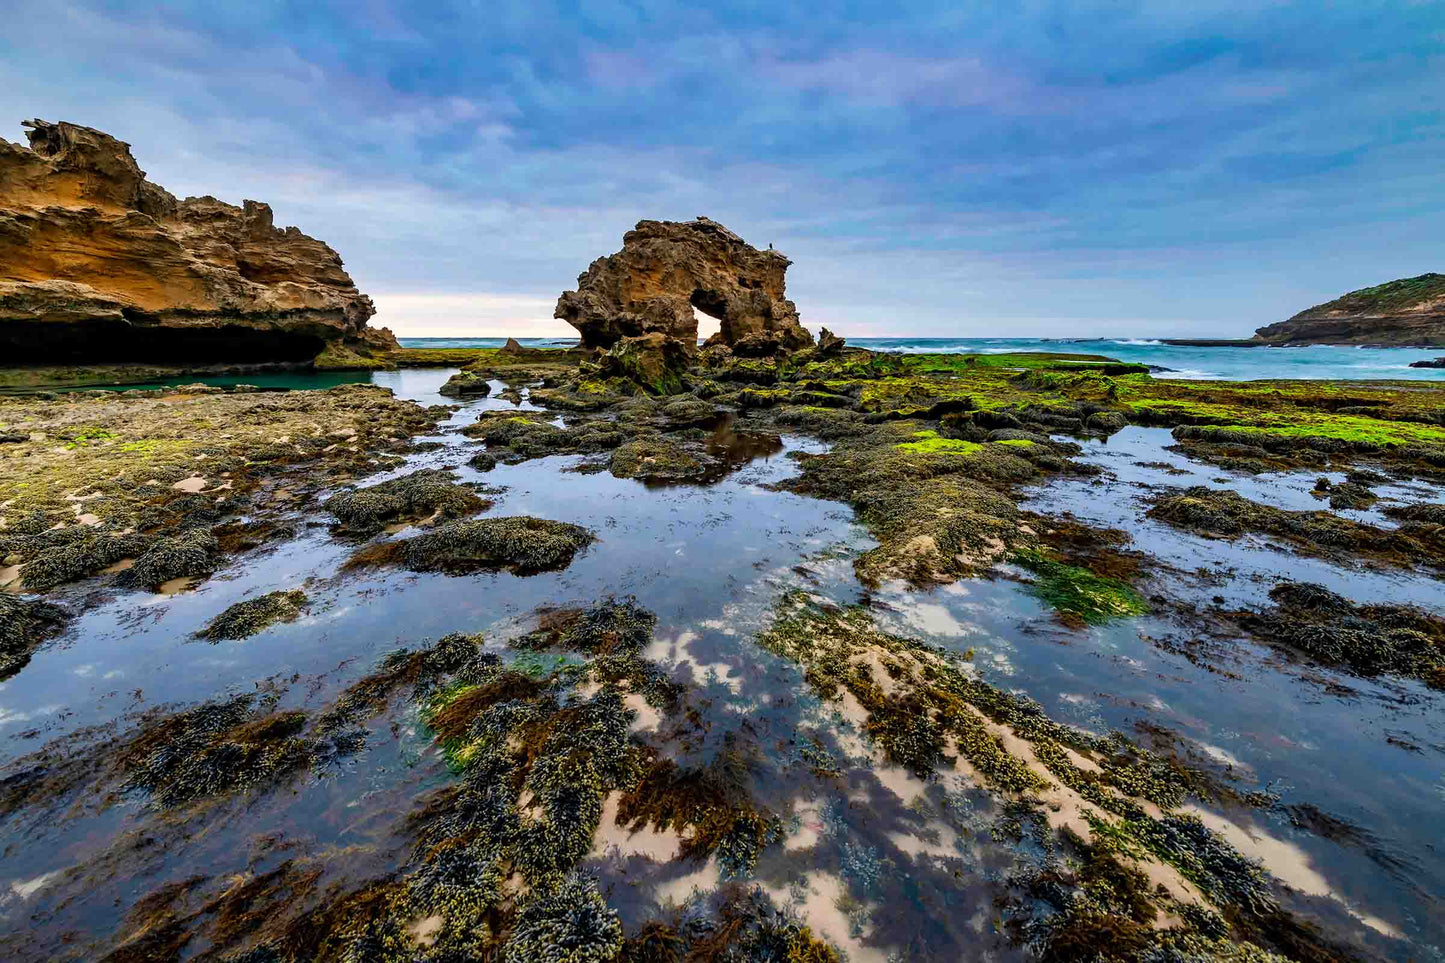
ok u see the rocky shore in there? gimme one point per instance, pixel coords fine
(408, 682)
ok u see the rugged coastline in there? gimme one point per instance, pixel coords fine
(773, 648)
(932, 454)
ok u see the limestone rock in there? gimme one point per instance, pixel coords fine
(97, 263)
(829, 344)
(654, 361)
(1402, 313)
(667, 268)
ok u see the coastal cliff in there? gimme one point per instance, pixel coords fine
(98, 264)
(1409, 312)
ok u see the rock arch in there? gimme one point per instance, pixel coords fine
(667, 268)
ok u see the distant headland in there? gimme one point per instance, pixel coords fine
(1405, 313)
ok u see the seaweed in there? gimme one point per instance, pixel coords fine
(521, 544)
(193, 554)
(1226, 514)
(655, 460)
(421, 494)
(1077, 594)
(1369, 640)
(214, 749)
(24, 625)
(245, 619)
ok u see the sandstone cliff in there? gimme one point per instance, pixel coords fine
(99, 264)
(667, 268)
(1409, 312)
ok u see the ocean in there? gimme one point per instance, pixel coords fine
(1229, 364)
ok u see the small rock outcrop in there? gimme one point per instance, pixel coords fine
(1429, 363)
(667, 268)
(1409, 312)
(99, 264)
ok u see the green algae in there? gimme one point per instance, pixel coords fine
(1078, 593)
(928, 442)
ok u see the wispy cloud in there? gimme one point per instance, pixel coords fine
(1215, 163)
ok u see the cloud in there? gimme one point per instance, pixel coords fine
(951, 170)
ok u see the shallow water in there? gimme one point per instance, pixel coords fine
(1229, 364)
(915, 858)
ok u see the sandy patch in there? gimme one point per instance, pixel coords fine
(660, 847)
(819, 910)
(1284, 860)
(426, 930)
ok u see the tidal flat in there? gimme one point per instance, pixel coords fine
(844, 655)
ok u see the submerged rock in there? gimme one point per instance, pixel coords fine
(466, 384)
(666, 269)
(24, 625)
(103, 265)
(245, 619)
(420, 495)
(520, 544)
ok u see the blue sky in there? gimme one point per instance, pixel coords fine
(949, 169)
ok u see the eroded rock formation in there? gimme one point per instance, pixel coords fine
(99, 264)
(667, 268)
(1409, 312)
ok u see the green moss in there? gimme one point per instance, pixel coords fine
(929, 442)
(1077, 592)
(1016, 442)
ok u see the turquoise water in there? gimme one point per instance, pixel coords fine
(1228, 364)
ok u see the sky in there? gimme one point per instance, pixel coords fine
(933, 169)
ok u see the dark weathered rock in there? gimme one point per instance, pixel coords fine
(667, 268)
(1402, 313)
(654, 361)
(1429, 363)
(829, 344)
(99, 264)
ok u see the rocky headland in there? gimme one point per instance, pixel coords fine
(1406, 313)
(98, 264)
